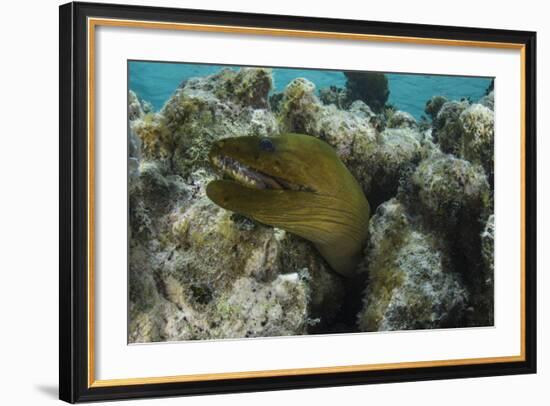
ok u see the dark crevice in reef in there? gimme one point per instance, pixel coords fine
(345, 320)
(468, 260)
(392, 185)
(378, 194)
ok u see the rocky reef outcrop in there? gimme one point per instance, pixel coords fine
(411, 281)
(197, 271)
(467, 131)
(369, 87)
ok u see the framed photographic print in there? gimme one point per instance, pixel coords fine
(256, 202)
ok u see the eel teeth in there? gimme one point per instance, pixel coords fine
(239, 172)
(250, 177)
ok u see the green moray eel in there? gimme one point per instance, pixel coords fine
(297, 183)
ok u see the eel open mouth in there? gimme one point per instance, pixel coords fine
(250, 177)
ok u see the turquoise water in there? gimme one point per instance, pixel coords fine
(156, 81)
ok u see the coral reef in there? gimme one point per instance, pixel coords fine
(401, 119)
(226, 104)
(134, 106)
(478, 136)
(334, 95)
(434, 105)
(370, 87)
(488, 100)
(450, 188)
(447, 129)
(453, 198)
(197, 271)
(263, 285)
(411, 284)
(485, 289)
(397, 153)
(467, 131)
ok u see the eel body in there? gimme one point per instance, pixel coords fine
(297, 183)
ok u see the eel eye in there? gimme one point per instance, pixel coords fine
(267, 145)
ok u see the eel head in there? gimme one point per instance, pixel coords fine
(297, 183)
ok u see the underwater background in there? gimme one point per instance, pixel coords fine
(420, 148)
(155, 82)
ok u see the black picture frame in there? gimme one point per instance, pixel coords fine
(74, 385)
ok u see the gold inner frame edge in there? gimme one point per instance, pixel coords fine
(94, 22)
